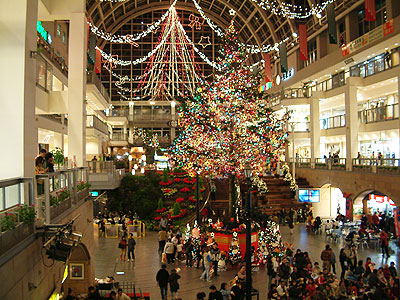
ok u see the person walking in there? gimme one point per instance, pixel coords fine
(207, 262)
(343, 259)
(384, 242)
(173, 283)
(327, 258)
(189, 253)
(291, 224)
(131, 247)
(162, 239)
(215, 256)
(122, 245)
(169, 250)
(162, 278)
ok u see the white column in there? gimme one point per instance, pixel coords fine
(398, 113)
(315, 133)
(351, 120)
(17, 88)
(77, 88)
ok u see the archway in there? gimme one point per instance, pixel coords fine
(373, 201)
(80, 270)
(331, 202)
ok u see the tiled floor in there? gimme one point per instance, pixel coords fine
(144, 270)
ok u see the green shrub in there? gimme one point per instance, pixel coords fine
(160, 204)
(177, 209)
(165, 175)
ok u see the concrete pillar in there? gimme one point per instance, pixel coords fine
(315, 133)
(17, 88)
(352, 122)
(398, 113)
(77, 88)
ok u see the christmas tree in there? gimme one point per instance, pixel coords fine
(270, 240)
(227, 124)
(235, 255)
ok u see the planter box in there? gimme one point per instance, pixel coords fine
(362, 169)
(83, 194)
(55, 211)
(11, 238)
(391, 171)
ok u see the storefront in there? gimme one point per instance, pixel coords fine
(373, 203)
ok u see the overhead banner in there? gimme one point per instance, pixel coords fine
(330, 14)
(97, 64)
(303, 42)
(92, 49)
(283, 57)
(267, 67)
(370, 11)
(369, 38)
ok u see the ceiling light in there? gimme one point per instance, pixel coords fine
(152, 102)
(396, 44)
(295, 35)
(318, 15)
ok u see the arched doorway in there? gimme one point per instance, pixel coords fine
(331, 204)
(372, 201)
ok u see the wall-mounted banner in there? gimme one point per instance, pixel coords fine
(368, 38)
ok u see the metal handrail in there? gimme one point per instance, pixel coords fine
(333, 122)
(6, 183)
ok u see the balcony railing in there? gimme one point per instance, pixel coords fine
(379, 114)
(15, 192)
(299, 126)
(104, 174)
(59, 191)
(150, 117)
(119, 136)
(117, 113)
(294, 93)
(94, 122)
(94, 79)
(47, 51)
(387, 166)
(333, 122)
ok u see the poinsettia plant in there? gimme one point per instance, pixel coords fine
(169, 192)
(180, 200)
(168, 182)
(185, 190)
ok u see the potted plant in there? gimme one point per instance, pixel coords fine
(58, 155)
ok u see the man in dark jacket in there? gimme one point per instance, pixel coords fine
(237, 291)
(131, 247)
(214, 294)
(162, 280)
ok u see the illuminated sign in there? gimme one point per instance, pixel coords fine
(94, 193)
(381, 199)
(266, 86)
(45, 35)
(287, 75)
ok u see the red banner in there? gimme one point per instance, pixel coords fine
(267, 67)
(88, 33)
(397, 221)
(97, 63)
(224, 241)
(303, 42)
(370, 12)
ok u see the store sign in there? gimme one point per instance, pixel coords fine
(266, 86)
(287, 75)
(368, 38)
(45, 35)
(381, 199)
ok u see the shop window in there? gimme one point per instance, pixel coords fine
(381, 17)
(58, 30)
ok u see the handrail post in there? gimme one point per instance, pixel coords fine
(47, 199)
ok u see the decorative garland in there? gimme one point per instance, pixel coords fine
(289, 178)
(259, 184)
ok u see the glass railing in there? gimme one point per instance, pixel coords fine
(276, 98)
(16, 191)
(101, 166)
(379, 114)
(150, 117)
(94, 79)
(333, 122)
(94, 122)
(118, 136)
(117, 113)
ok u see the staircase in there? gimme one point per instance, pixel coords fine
(221, 202)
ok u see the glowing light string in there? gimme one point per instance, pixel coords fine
(129, 38)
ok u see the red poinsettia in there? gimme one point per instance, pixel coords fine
(189, 180)
(183, 212)
(185, 190)
(169, 182)
(191, 199)
(157, 218)
(177, 180)
(180, 200)
(161, 210)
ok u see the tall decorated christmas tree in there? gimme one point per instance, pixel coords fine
(227, 124)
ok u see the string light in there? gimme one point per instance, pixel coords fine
(129, 38)
(293, 11)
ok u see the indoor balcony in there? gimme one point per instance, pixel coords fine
(379, 118)
(300, 129)
(119, 139)
(96, 127)
(103, 175)
(96, 93)
(117, 116)
(332, 126)
(285, 97)
(57, 195)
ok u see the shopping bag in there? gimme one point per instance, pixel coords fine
(164, 258)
